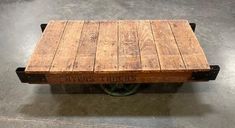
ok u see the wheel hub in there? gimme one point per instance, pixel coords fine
(120, 89)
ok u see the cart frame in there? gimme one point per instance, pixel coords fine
(39, 78)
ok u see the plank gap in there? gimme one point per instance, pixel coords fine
(118, 43)
(177, 44)
(58, 44)
(150, 22)
(97, 41)
(138, 43)
(79, 42)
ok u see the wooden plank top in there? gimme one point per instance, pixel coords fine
(116, 46)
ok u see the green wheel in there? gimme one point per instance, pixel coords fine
(120, 89)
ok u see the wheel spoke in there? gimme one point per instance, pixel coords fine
(128, 87)
(113, 87)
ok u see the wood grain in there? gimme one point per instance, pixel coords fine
(45, 50)
(148, 51)
(115, 77)
(169, 55)
(106, 54)
(117, 51)
(85, 58)
(192, 53)
(129, 55)
(67, 50)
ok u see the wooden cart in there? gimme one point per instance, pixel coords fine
(118, 54)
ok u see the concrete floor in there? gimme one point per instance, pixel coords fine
(194, 105)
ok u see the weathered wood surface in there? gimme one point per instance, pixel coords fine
(107, 47)
(129, 52)
(67, 50)
(118, 46)
(125, 77)
(46, 48)
(168, 52)
(148, 51)
(190, 49)
(86, 52)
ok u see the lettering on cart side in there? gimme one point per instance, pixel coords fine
(79, 78)
(90, 78)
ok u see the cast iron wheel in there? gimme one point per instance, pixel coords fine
(120, 89)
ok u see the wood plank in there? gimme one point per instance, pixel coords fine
(112, 46)
(169, 55)
(192, 53)
(119, 77)
(46, 48)
(87, 47)
(148, 51)
(106, 55)
(67, 49)
(129, 55)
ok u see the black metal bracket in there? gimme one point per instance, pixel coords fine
(30, 78)
(193, 26)
(41, 78)
(206, 75)
(43, 26)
